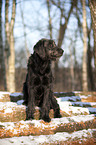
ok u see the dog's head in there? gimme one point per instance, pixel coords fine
(47, 49)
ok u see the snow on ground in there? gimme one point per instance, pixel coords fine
(69, 108)
(8, 107)
(70, 105)
(4, 93)
(20, 102)
(42, 139)
(55, 122)
(16, 94)
(65, 106)
(68, 98)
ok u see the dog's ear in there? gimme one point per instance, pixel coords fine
(40, 47)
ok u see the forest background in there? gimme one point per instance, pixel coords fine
(70, 23)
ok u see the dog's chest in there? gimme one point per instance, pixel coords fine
(43, 75)
(42, 80)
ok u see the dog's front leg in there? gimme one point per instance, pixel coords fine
(45, 107)
(31, 104)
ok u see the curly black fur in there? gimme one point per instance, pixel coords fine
(38, 86)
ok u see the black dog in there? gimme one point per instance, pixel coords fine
(37, 88)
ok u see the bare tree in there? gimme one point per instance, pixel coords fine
(64, 19)
(84, 63)
(90, 57)
(10, 54)
(50, 20)
(92, 4)
(2, 60)
(24, 30)
(50, 28)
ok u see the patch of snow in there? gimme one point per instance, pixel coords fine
(4, 93)
(92, 110)
(24, 126)
(83, 103)
(16, 94)
(1, 96)
(83, 97)
(8, 110)
(73, 110)
(68, 98)
(55, 122)
(69, 108)
(20, 102)
(82, 118)
(75, 92)
(7, 125)
(9, 107)
(43, 139)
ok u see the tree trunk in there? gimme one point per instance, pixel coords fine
(2, 61)
(92, 4)
(50, 30)
(62, 29)
(84, 63)
(90, 72)
(10, 54)
(50, 20)
(24, 30)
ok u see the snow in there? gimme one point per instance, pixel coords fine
(83, 97)
(20, 102)
(43, 139)
(69, 108)
(8, 107)
(70, 105)
(8, 110)
(4, 93)
(1, 96)
(55, 122)
(92, 110)
(16, 94)
(64, 106)
(83, 103)
(72, 98)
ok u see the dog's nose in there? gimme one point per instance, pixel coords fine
(61, 51)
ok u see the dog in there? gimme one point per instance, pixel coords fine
(38, 87)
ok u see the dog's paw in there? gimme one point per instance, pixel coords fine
(29, 117)
(46, 119)
(57, 115)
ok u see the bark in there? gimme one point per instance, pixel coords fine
(2, 61)
(50, 30)
(10, 52)
(92, 4)
(72, 68)
(63, 27)
(90, 72)
(84, 63)
(1, 45)
(50, 20)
